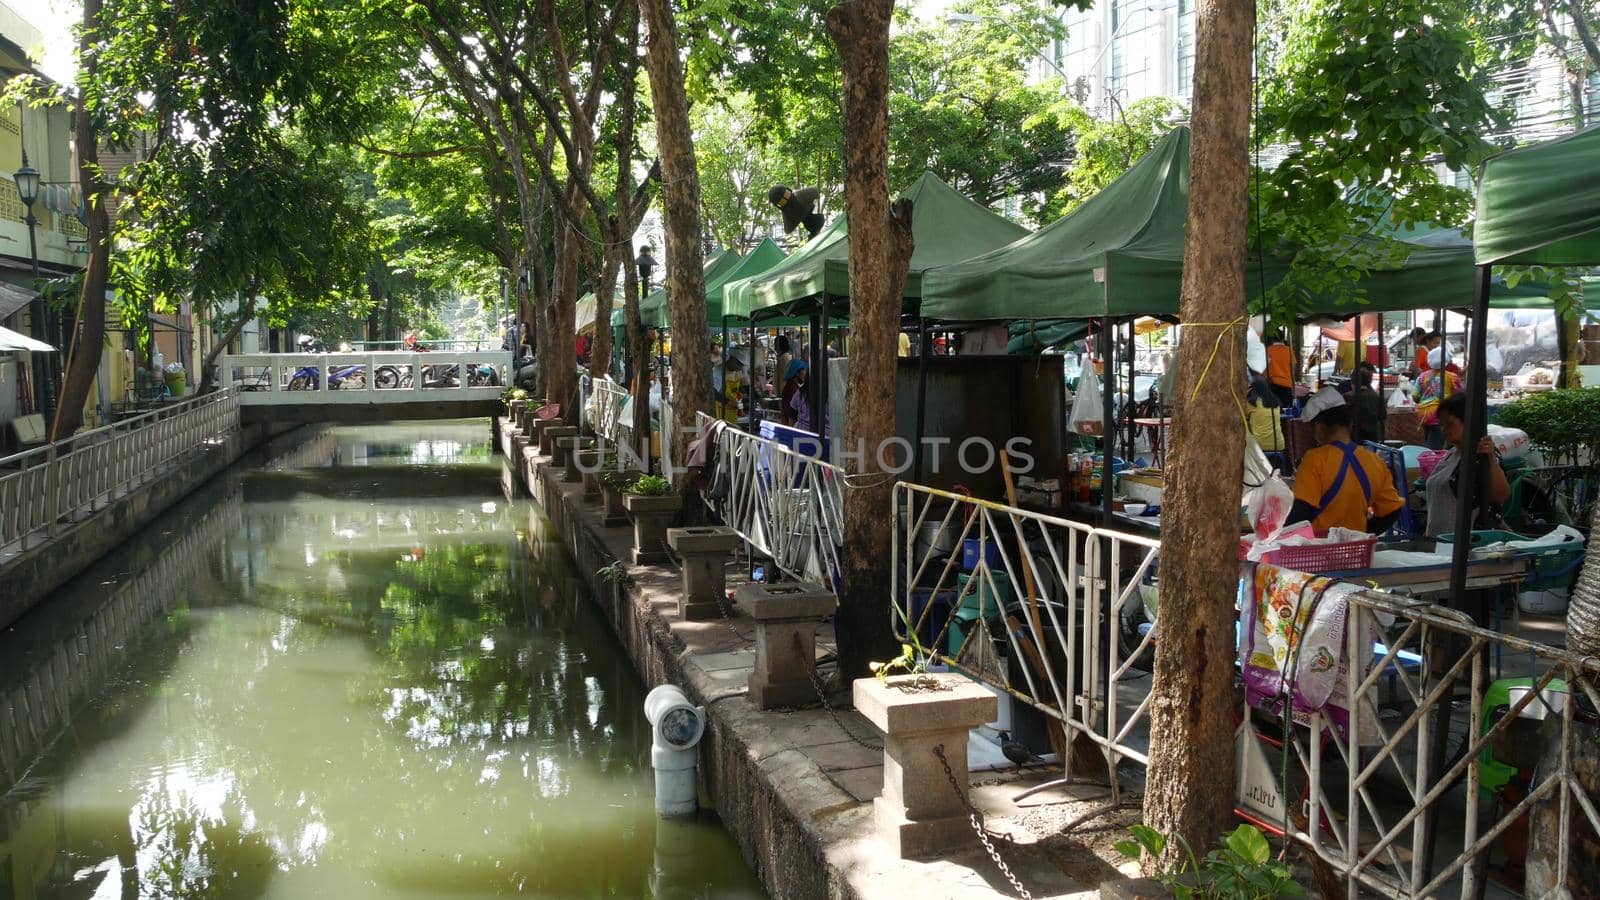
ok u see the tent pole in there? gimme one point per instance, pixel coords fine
(1109, 431)
(819, 362)
(814, 379)
(1133, 430)
(750, 402)
(722, 396)
(922, 398)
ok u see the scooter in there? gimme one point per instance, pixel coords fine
(309, 378)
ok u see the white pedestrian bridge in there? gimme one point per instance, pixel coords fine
(366, 385)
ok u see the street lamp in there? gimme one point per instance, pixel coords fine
(27, 180)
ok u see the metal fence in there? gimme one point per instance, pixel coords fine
(787, 506)
(603, 412)
(365, 377)
(43, 489)
(1393, 782)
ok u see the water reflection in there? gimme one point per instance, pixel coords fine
(360, 694)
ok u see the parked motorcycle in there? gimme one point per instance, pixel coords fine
(309, 378)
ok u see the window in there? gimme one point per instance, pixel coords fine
(1186, 18)
(1118, 62)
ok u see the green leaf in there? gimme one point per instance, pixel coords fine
(1250, 844)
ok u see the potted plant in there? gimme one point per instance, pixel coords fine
(613, 484)
(653, 504)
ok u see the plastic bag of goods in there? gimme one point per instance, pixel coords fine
(1512, 443)
(1268, 506)
(1088, 414)
(1400, 398)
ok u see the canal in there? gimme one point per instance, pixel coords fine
(357, 671)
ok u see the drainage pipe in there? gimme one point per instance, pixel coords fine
(676, 727)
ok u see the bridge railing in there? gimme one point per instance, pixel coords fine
(44, 488)
(265, 379)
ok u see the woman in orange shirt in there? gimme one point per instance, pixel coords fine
(1280, 368)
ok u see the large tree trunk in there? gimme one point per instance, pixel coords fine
(680, 202)
(558, 366)
(1583, 613)
(1189, 791)
(89, 336)
(639, 352)
(604, 294)
(880, 254)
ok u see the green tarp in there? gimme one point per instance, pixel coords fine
(946, 227)
(1121, 254)
(766, 255)
(1540, 205)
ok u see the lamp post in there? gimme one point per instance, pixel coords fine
(27, 179)
(647, 264)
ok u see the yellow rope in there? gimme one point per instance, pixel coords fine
(1233, 386)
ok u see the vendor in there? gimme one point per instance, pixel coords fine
(1338, 484)
(794, 386)
(1280, 368)
(1441, 484)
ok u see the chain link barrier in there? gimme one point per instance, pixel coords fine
(976, 818)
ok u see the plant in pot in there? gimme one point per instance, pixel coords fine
(614, 483)
(653, 504)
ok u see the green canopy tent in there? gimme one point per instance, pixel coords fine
(1120, 254)
(1537, 206)
(945, 226)
(815, 280)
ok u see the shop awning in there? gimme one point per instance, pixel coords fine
(12, 298)
(945, 226)
(766, 255)
(11, 341)
(1540, 205)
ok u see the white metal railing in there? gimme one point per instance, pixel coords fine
(266, 379)
(1068, 626)
(603, 411)
(43, 488)
(787, 506)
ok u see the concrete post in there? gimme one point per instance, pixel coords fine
(786, 639)
(920, 813)
(573, 449)
(705, 554)
(558, 436)
(541, 430)
(651, 516)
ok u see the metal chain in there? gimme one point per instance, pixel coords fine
(976, 818)
(822, 697)
(722, 601)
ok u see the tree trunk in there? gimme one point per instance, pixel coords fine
(1585, 34)
(880, 255)
(640, 354)
(1189, 791)
(246, 312)
(680, 201)
(604, 294)
(1583, 612)
(558, 366)
(89, 335)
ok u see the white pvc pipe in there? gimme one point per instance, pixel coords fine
(676, 727)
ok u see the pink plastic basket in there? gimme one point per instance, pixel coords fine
(1324, 557)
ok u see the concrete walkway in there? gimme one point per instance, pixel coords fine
(794, 788)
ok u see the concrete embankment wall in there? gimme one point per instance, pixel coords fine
(31, 575)
(775, 802)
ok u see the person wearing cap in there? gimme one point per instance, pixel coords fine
(1338, 484)
(794, 392)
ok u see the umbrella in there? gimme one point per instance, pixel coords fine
(11, 340)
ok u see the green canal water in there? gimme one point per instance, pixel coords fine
(358, 673)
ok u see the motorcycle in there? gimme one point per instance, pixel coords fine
(309, 378)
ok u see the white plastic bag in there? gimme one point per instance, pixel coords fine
(1257, 469)
(1269, 505)
(1512, 443)
(1400, 398)
(1088, 414)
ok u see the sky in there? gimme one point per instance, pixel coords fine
(55, 18)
